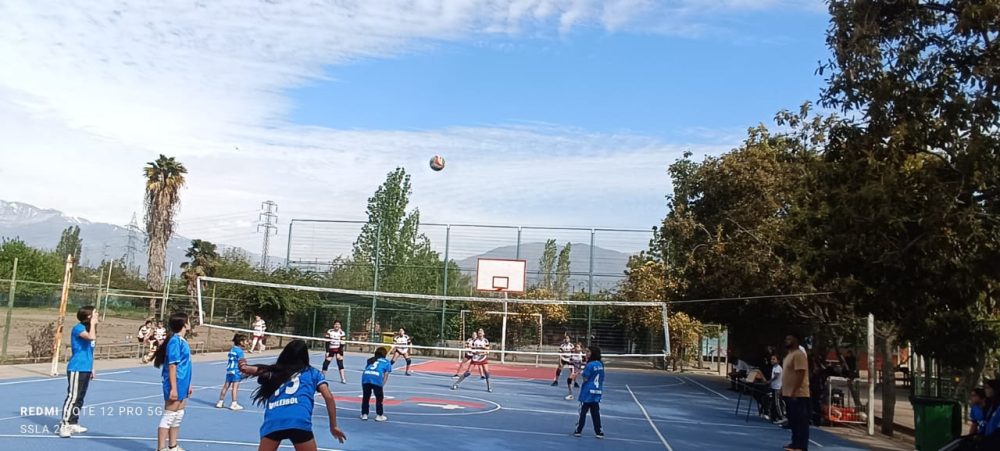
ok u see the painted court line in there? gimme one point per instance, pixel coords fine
(706, 388)
(58, 378)
(653, 425)
(145, 439)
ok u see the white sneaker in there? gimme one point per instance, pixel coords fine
(77, 429)
(381, 418)
(343, 381)
(219, 404)
(568, 397)
(65, 431)
(454, 387)
(364, 417)
(235, 406)
(177, 448)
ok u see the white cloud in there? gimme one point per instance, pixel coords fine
(91, 90)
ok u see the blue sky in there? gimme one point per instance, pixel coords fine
(652, 84)
(548, 112)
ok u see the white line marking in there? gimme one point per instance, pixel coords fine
(58, 378)
(147, 439)
(646, 414)
(815, 443)
(706, 388)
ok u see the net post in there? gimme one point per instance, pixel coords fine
(503, 332)
(10, 310)
(57, 340)
(871, 374)
(201, 311)
(664, 313)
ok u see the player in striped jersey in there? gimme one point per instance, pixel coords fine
(259, 326)
(402, 348)
(467, 358)
(480, 358)
(576, 362)
(565, 351)
(335, 349)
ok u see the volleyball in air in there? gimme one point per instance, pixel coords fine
(437, 163)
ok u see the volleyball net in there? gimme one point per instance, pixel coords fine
(524, 331)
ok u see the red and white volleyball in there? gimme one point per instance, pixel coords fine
(437, 163)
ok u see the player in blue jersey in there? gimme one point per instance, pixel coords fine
(174, 356)
(590, 392)
(287, 392)
(373, 380)
(79, 370)
(233, 377)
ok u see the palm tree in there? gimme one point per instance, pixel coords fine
(203, 257)
(164, 180)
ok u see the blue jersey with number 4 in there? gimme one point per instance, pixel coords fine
(291, 405)
(593, 386)
(233, 365)
(375, 372)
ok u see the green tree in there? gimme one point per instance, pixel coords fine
(912, 190)
(547, 266)
(70, 243)
(164, 180)
(203, 257)
(390, 238)
(33, 265)
(561, 285)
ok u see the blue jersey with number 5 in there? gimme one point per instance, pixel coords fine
(291, 405)
(375, 372)
(593, 386)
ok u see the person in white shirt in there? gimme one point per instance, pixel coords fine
(777, 405)
(259, 326)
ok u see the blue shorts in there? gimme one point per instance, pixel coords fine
(182, 390)
(233, 377)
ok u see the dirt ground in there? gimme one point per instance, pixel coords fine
(113, 329)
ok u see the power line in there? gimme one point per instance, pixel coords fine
(267, 220)
(748, 298)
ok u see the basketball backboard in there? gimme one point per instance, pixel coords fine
(497, 274)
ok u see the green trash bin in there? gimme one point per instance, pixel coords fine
(937, 422)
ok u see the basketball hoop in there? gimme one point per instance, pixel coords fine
(501, 275)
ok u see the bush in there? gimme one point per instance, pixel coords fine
(40, 341)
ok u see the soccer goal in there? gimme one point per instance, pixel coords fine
(523, 330)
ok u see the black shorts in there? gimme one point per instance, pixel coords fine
(296, 436)
(332, 352)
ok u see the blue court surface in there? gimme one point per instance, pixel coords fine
(641, 410)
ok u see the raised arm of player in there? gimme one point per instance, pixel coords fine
(331, 411)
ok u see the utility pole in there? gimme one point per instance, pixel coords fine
(132, 246)
(268, 221)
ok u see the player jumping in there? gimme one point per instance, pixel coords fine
(335, 348)
(480, 358)
(402, 348)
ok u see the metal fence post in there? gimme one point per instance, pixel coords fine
(590, 288)
(444, 303)
(378, 247)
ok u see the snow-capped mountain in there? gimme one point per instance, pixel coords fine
(41, 228)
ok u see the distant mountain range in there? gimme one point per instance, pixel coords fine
(41, 228)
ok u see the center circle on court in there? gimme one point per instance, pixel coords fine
(422, 404)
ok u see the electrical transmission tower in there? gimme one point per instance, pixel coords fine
(132, 246)
(268, 221)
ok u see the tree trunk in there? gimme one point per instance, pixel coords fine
(888, 385)
(154, 273)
